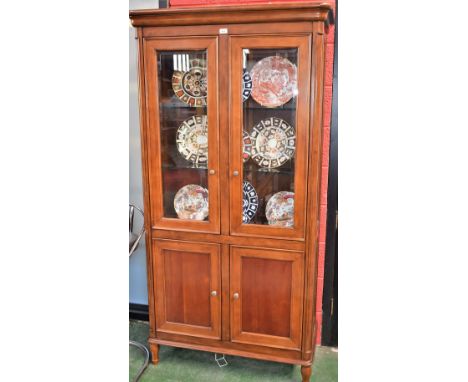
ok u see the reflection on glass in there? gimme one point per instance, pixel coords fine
(183, 89)
(269, 93)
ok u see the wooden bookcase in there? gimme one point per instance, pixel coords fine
(221, 284)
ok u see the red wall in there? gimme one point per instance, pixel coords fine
(326, 137)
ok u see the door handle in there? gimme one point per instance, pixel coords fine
(236, 296)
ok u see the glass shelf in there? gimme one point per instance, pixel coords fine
(251, 167)
(187, 166)
(251, 104)
(175, 103)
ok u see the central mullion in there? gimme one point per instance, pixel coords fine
(223, 92)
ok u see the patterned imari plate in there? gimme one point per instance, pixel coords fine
(274, 81)
(192, 139)
(191, 202)
(273, 142)
(246, 86)
(247, 146)
(249, 203)
(280, 209)
(191, 86)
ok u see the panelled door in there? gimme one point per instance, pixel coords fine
(187, 288)
(266, 297)
(181, 78)
(269, 131)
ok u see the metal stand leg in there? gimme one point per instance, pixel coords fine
(147, 356)
(221, 361)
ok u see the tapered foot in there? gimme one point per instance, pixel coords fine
(306, 372)
(154, 348)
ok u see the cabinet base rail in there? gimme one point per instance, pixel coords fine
(234, 352)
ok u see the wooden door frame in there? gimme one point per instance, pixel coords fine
(297, 294)
(301, 42)
(162, 324)
(185, 43)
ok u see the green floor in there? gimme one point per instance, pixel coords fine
(181, 365)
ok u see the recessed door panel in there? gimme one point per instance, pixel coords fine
(266, 297)
(266, 283)
(188, 288)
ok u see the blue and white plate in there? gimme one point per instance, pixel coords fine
(246, 86)
(249, 203)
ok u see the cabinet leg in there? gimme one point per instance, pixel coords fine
(154, 348)
(306, 372)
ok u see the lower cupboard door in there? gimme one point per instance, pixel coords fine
(187, 288)
(267, 297)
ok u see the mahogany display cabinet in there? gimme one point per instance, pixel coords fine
(231, 101)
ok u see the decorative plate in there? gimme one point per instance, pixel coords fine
(247, 146)
(274, 81)
(191, 86)
(249, 203)
(273, 142)
(191, 202)
(280, 209)
(192, 139)
(246, 85)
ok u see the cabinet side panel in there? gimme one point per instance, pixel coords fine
(314, 176)
(146, 194)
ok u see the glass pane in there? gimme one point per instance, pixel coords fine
(269, 94)
(183, 89)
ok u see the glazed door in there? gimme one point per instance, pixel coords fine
(182, 133)
(266, 297)
(270, 100)
(188, 288)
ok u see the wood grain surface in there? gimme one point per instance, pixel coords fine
(196, 267)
